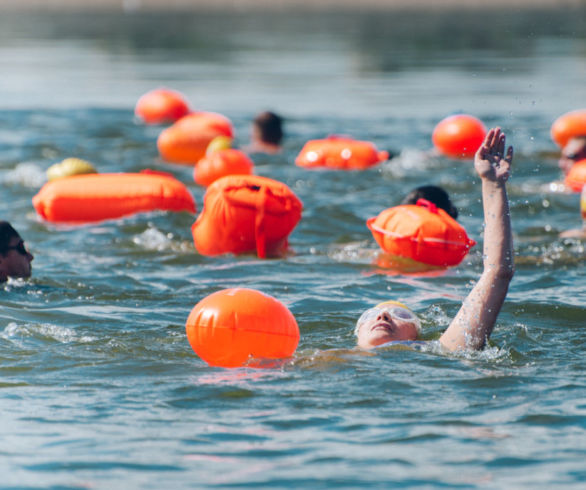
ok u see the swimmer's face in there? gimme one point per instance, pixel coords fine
(16, 260)
(574, 150)
(384, 324)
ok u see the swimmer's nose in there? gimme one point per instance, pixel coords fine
(384, 316)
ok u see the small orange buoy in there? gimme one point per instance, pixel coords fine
(161, 106)
(244, 214)
(421, 232)
(229, 327)
(568, 126)
(459, 136)
(576, 177)
(341, 153)
(98, 197)
(221, 163)
(186, 140)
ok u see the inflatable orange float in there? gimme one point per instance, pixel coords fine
(221, 163)
(341, 153)
(98, 197)
(421, 232)
(459, 136)
(244, 214)
(186, 140)
(576, 177)
(229, 327)
(568, 126)
(161, 106)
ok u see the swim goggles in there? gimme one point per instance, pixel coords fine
(396, 310)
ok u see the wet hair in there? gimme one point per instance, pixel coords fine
(434, 194)
(270, 126)
(7, 233)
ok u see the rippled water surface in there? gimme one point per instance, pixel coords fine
(100, 388)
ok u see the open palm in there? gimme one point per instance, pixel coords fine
(490, 160)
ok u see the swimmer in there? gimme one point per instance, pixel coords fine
(15, 259)
(578, 232)
(473, 324)
(434, 194)
(267, 133)
(573, 151)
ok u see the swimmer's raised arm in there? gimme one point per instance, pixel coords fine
(473, 324)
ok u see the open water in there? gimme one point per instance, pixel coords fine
(99, 386)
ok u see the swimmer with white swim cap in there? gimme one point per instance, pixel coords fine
(393, 321)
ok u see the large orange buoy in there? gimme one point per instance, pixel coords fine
(576, 177)
(459, 136)
(98, 197)
(161, 106)
(568, 126)
(229, 327)
(186, 140)
(341, 153)
(244, 214)
(221, 163)
(421, 232)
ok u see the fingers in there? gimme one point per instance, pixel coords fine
(509, 156)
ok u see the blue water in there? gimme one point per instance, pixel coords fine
(100, 388)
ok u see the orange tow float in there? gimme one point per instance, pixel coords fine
(229, 327)
(568, 126)
(576, 177)
(421, 232)
(340, 153)
(98, 197)
(244, 214)
(459, 136)
(161, 106)
(221, 160)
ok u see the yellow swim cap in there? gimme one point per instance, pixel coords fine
(69, 167)
(393, 302)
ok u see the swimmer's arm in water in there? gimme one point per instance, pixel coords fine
(473, 324)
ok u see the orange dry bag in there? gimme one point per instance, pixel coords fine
(186, 140)
(246, 213)
(576, 177)
(339, 152)
(97, 197)
(421, 232)
(221, 163)
(229, 327)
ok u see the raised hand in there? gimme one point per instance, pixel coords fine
(490, 160)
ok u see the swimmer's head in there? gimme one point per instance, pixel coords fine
(386, 322)
(574, 150)
(434, 194)
(268, 128)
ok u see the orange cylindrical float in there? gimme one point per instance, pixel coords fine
(232, 326)
(221, 163)
(186, 140)
(340, 153)
(98, 197)
(459, 136)
(568, 126)
(576, 177)
(244, 214)
(161, 105)
(421, 232)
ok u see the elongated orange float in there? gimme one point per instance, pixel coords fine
(186, 141)
(421, 232)
(459, 136)
(221, 163)
(232, 326)
(98, 197)
(246, 214)
(568, 126)
(340, 153)
(161, 105)
(576, 177)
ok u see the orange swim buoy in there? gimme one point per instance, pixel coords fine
(568, 126)
(161, 106)
(186, 140)
(459, 136)
(229, 327)
(421, 232)
(98, 197)
(576, 177)
(221, 163)
(341, 153)
(246, 213)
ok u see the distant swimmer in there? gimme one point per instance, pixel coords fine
(435, 194)
(392, 321)
(267, 133)
(15, 259)
(573, 151)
